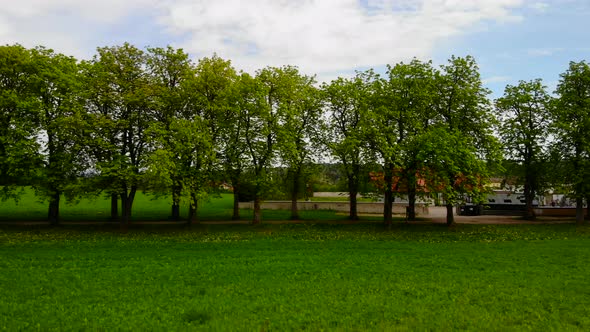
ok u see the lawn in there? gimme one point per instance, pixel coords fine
(295, 277)
(146, 207)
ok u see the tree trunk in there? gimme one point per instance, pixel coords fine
(529, 213)
(353, 212)
(450, 214)
(529, 210)
(587, 208)
(53, 213)
(411, 176)
(236, 214)
(352, 192)
(235, 182)
(579, 187)
(192, 212)
(114, 207)
(257, 212)
(175, 211)
(579, 211)
(388, 197)
(127, 205)
(294, 193)
(411, 203)
(131, 199)
(176, 193)
(124, 212)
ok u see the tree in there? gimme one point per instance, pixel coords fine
(346, 103)
(170, 73)
(56, 83)
(100, 145)
(571, 116)
(19, 120)
(451, 166)
(382, 130)
(299, 133)
(234, 147)
(524, 127)
(463, 110)
(119, 110)
(213, 95)
(259, 112)
(408, 93)
(182, 158)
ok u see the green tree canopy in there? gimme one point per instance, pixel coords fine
(571, 116)
(346, 100)
(19, 120)
(299, 137)
(409, 96)
(524, 128)
(120, 110)
(57, 86)
(463, 110)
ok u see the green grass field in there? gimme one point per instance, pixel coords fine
(145, 208)
(296, 277)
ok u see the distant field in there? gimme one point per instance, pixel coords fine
(146, 207)
(296, 277)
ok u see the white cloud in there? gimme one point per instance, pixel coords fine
(320, 36)
(102, 11)
(329, 35)
(74, 27)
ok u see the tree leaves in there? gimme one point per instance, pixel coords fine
(153, 119)
(571, 116)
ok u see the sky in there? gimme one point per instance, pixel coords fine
(511, 40)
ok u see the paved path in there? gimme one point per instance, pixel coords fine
(438, 214)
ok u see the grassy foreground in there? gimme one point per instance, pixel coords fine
(295, 277)
(146, 207)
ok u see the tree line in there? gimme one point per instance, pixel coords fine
(152, 119)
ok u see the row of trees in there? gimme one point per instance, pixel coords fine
(547, 137)
(153, 119)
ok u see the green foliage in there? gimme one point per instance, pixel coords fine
(462, 135)
(451, 165)
(525, 119)
(119, 110)
(132, 119)
(57, 85)
(274, 122)
(571, 116)
(19, 119)
(247, 191)
(300, 130)
(213, 94)
(293, 277)
(409, 97)
(524, 111)
(346, 101)
(381, 121)
(461, 99)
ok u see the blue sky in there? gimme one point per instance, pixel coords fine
(541, 45)
(511, 39)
